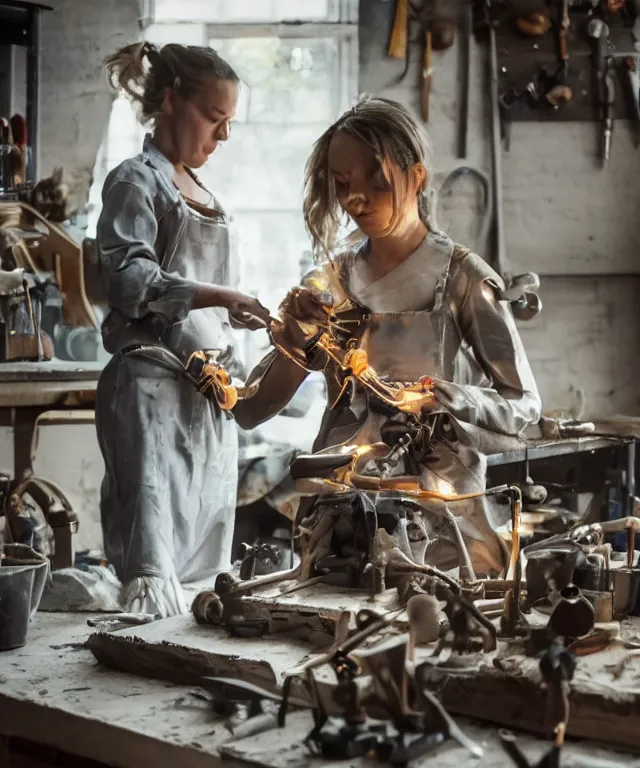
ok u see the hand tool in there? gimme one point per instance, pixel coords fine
(563, 33)
(609, 101)
(399, 33)
(496, 148)
(555, 88)
(426, 75)
(486, 217)
(598, 31)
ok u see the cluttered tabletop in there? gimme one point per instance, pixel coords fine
(55, 688)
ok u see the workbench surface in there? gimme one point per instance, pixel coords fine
(50, 370)
(544, 449)
(54, 692)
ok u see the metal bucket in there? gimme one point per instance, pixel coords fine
(23, 573)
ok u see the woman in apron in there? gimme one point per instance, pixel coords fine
(169, 490)
(430, 308)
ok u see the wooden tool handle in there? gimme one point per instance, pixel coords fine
(426, 75)
(564, 45)
(398, 42)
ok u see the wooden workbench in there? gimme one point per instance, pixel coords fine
(28, 390)
(53, 692)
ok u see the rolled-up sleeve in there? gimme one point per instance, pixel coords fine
(134, 283)
(513, 402)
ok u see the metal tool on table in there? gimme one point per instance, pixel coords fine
(573, 615)
(626, 581)
(510, 746)
(251, 554)
(558, 666)
(513, 622)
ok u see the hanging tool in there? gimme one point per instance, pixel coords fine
(426, 75)
(598, 31)
(533, 24)
(465, 78)
(437, 31)
(399, 33)
(486, 216)
(496, 148)
(609, 101)
(632, 83)
(554, 86)
(563, 35)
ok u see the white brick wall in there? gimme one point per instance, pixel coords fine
(587, 337)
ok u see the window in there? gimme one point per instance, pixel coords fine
(298, 63)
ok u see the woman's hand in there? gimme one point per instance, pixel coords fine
(306, 307)
(245, 311)
(303, 313)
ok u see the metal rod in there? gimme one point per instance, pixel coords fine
(465, 79)
(631, 476)
(33, 88)
(496, 155)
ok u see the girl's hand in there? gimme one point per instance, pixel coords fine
(288, 335)
(303, 314)
(245, 311)
(306, 307)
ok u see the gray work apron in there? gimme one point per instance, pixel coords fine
(171, 457)
(404, 347)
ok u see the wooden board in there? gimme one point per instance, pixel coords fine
(181, 651)
(508, 692)
(500, 688)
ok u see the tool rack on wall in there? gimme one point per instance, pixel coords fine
(530, 62)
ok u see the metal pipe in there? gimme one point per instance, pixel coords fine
(465, 78)
(33, 88)
(496, 156)
(631, 476)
